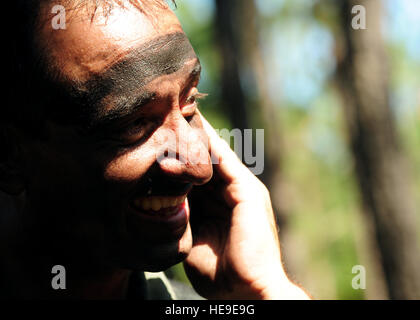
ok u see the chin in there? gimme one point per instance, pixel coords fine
(159, 257)
(166, 256)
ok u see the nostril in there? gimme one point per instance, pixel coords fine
(195, 173)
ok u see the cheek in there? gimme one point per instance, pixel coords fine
(54, 169)
(131, 165)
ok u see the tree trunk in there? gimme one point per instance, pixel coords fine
(233, 97)
(237, 31)
(382, 171)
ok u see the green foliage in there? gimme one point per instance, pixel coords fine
(325, 218)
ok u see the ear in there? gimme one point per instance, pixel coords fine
(11, 178)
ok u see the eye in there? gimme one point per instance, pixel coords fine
(134, 132)
(189, 106)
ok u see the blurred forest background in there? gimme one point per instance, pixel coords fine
(341, 113)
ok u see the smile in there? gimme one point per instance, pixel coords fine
(172, 213)
(155, 203)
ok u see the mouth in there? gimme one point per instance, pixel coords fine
(169, 211)
(158, 205)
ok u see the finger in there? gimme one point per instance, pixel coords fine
(225, 160)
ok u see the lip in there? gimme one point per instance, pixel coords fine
(172, 218)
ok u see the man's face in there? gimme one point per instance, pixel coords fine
(92, 186)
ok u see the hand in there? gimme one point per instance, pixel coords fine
(236, 252)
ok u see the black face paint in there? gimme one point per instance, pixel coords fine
(122, 85)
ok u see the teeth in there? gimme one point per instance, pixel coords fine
(157, 203)
(165, 202)
(147, 204)
(173, 202)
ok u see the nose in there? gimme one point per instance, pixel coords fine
(184, 152)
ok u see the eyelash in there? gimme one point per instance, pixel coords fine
(193, 99)
(137, 127)
(196, 96)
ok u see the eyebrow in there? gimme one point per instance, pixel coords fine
(124, 109)
(120, 90)
(195, 72)
(119, 112)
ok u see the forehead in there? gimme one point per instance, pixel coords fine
(88, 47)
(126, 84)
